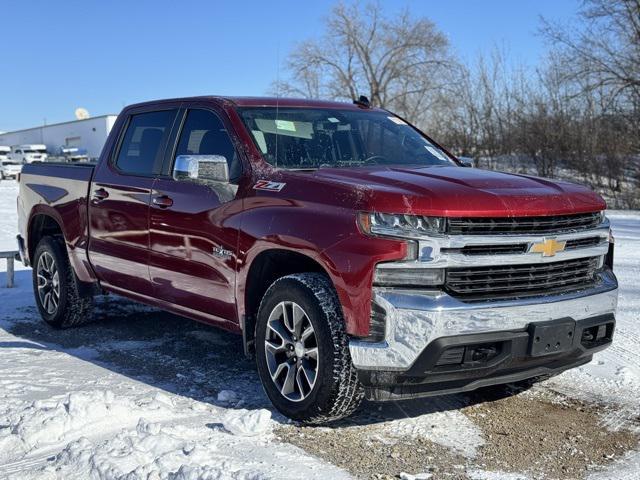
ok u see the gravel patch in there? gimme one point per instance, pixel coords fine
(537, 434)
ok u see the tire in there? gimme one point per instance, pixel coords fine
(334, 392)
(52, 272)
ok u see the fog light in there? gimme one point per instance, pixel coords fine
(451, 356)
(483, 354)
(408, 277)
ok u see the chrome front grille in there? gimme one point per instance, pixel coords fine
(524, 280)
(583, 242)
(522, 225)
(519, 248)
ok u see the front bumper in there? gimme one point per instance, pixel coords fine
(418, 320)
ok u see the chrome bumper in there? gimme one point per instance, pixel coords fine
(416, 318)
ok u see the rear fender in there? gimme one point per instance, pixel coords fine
(75, 240)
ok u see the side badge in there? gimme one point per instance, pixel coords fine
(269, 185)
(221, 252)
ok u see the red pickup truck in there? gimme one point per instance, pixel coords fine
(356, 256)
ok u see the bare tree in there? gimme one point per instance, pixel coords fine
(399, 62)
(603, 52)
(577, 115)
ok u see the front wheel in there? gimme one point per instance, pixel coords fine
(56, 287)
(302, 350)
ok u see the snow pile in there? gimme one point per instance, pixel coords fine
(151, 451)
(417, 476)
(42, 423)
(227, 396)
(248, 423)
(179, 452)
(488, 475)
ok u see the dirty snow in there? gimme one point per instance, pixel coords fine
(464, 439)
(145, 394)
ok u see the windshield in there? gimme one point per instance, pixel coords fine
(306, 138)
(9, 163)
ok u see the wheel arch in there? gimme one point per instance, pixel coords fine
(265, 268)
(41, 224)
(47, 222)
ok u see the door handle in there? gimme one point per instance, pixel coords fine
(100, 194)
(163, 201)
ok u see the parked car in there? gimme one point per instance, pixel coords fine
(4, 152)
(9, 169)
(28, 153)
(355, 256)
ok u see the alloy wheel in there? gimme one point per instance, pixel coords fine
(48, 283)
(291, 348)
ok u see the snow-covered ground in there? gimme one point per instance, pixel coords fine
(148, 395)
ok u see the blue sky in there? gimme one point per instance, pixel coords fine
(57, 56)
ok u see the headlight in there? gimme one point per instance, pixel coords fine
(402, 226)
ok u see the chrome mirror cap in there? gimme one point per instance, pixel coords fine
(201, 167)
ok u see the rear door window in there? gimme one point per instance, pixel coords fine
(143, 143)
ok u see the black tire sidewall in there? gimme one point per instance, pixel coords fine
(290, 289)
(55, 248)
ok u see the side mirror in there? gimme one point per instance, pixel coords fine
(213, 168)
(466, 161)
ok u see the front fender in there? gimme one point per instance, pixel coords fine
(328, 235)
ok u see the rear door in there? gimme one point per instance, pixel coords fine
(194, 224)
(119, 201)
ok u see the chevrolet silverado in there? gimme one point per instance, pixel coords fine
(356, 256)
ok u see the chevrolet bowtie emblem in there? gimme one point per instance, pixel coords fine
(547, 247)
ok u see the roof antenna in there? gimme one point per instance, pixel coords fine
(362, 101)
(277, 94)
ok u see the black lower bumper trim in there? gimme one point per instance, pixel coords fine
(467, 362)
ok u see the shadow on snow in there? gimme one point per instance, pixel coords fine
(187, 358)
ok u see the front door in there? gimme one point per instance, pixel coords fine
(194, 226)
(119, 200)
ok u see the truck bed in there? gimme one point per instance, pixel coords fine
(71, 171)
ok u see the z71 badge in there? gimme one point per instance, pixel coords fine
(269, 185)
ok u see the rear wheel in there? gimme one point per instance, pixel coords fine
(56, 287)
(302, 350)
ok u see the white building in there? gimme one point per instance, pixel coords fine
(90, 134)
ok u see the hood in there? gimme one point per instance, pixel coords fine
(459, 192)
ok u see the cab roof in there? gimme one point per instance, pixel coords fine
(262, 102)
